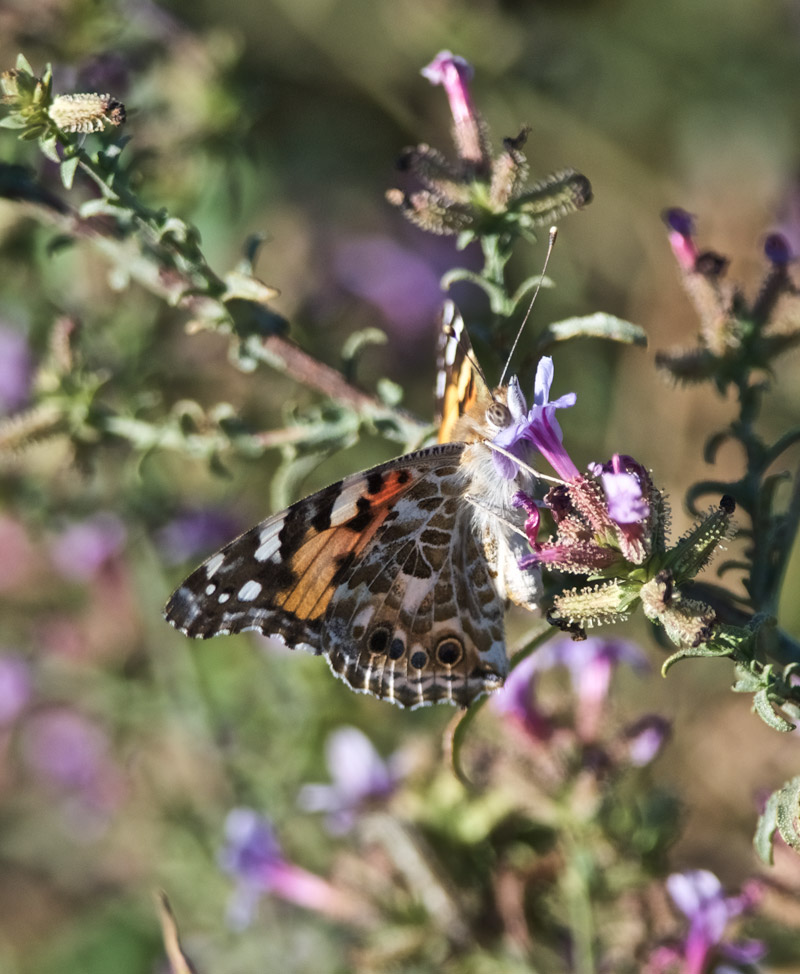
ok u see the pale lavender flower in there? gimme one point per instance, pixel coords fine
(622, 479)
(517, 700)
(84, 547)
(645, 738)
(16, 370)
(590, 663)
(537, 428)
(65, 748)
(252, 855)
(359, 777)
(15, 687)
(195, 532)
(698, 894)
(396, 279)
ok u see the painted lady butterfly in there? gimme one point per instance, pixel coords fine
(398, 575)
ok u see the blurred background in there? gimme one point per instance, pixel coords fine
(122, 745)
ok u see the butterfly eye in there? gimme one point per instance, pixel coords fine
(497, 415)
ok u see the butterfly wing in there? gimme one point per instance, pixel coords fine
(381, 573)
(458, 384)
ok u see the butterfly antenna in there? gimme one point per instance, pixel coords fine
(553, 235)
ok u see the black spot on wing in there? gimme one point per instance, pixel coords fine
(375, 482)
(361, 520)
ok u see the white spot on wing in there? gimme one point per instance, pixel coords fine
(214, 563)
(223, 597)
(211, 588)
(249, 591)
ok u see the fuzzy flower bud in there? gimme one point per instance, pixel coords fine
(86, 112)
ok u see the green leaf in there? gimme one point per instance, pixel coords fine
(390, 393)
(765, 710)
(67, 169)
(704, 649)
(355, 345)
(49, 147)
(23, 65)
(498, 300)
(765, 830)
(788, 807)
(14, 121)
(597, 325)
(248, 288)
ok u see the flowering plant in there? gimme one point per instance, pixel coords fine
(549, 847)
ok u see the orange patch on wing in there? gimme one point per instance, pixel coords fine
(460, 394)
(319, 557)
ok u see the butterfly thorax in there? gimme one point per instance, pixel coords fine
(495, 520)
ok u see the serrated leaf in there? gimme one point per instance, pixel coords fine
(765, 830)
(765, 710)
(68, 168)
(597, 325)
(747, 682)
(788, 807)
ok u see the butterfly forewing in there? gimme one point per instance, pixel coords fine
(458, 385)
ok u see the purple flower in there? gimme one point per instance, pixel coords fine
(517, 700)
(195, 532)
(15, 687)
(65, 749)
(83, 548)
(698, 894)
(645, 738)
(590, 664)
(537, 428)
(453, 73)
(253, 857)
(359, 776)
(16, 370)
(626, 505)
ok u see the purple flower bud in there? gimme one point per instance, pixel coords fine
(681, 237)
(84, 547)
(778, 250)
(16, 370)
(359, 776)
(15, 687)
(453, 73)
